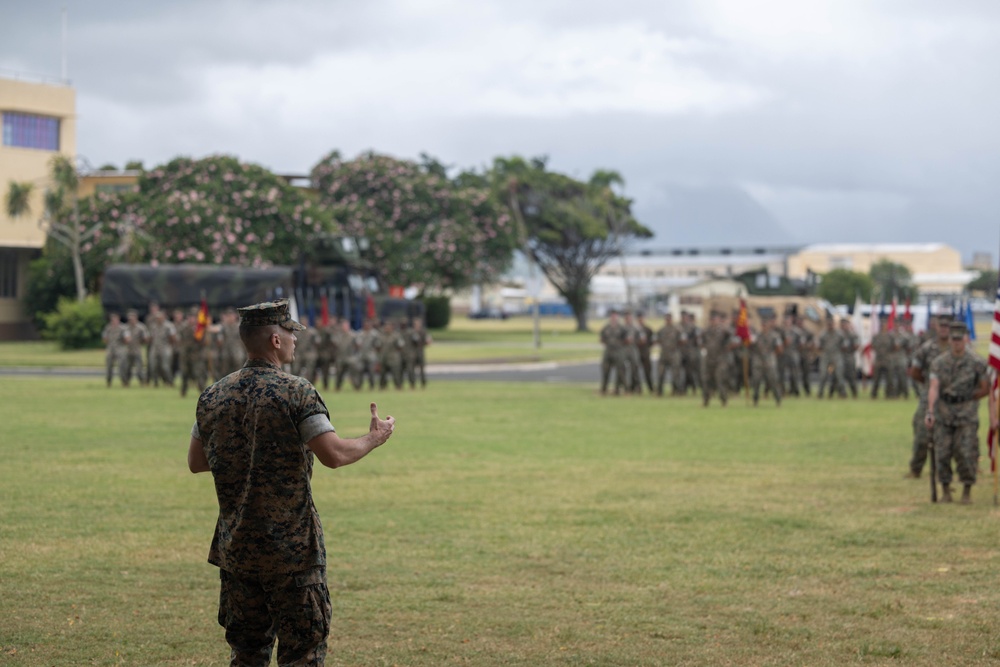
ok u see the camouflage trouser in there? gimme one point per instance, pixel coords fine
(766, 372)
(132, 363)
(880, 375)
(714, 378)
(293, 607)
(805, 361)
(646, 364)
(325, 367)
(899, 381)
(692, 370)
(393, 370)
(614, 360)
(831, 369)
(851, 374)
(961, 442)
(192, 369)
(159, 366)
(791, 365)
(111, 359)
(673, 362)
(632, 369)
(921, 438)
(416, 367)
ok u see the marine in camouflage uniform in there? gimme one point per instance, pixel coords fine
(613, 339)
(257, 431)
(393, 347)
(899, 361)
(327, 351)
(691, 338)
(135, 335)
(630, 352)
(765, 350)
(669, 340)
(369, 345)
(807, 354)
(192, 353)
(831, 361)
(644, 344)
(151, 317)
(789, 362)
(113, 343)
(719, 343)
(416, 358)
(882, 347)
(343, 338)
(849, 344)
(920, 368)
(162, 337)
(958, 381)
(177, 319)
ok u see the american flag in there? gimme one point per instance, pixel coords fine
(995, 365)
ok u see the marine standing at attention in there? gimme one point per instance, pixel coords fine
(958, 381)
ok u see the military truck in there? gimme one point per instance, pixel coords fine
(334, 271)
(812, 310)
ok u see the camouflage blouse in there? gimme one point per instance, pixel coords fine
(253, 425)
(958, 378)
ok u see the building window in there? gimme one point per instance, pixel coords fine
(838, 262)
(25, 130)
(8, 273)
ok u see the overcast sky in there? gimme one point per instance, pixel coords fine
(733, 122)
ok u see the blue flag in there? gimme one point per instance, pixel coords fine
(970, 321)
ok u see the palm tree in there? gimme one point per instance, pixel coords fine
(60, 217)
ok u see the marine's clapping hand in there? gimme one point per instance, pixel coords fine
(381, 429)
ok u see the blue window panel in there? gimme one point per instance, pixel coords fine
(25, 130)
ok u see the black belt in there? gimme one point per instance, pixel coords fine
(954, 400)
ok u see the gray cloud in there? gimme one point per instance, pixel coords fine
(833, 120)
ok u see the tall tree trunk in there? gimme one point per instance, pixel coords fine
(578, 302)
(81, 290)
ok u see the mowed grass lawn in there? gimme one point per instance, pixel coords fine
(509, 524)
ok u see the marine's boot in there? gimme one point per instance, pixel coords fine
(967, 494)
(945, 493)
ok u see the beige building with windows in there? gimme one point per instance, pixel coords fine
(38, 121)
(935, 267)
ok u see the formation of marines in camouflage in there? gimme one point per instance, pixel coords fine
(180, 352)
(783, 359)
(947, 376)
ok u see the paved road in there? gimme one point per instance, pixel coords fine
(534, 372)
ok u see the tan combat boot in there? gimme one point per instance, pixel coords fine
(967, 494)
(945, 493)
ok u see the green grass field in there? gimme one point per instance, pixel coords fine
(509, 524)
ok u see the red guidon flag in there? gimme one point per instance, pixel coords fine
(743, 323)
(995, 366)
(202, 326)
(324, 310)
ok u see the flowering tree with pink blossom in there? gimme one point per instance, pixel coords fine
(219, 210)
(216, 210)
(424, 229)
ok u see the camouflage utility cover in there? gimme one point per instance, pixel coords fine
(251, 425)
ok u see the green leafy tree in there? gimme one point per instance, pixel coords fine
(843, 287)
(424, 229)
(985, 282)
(570, 228)
(891, 279)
